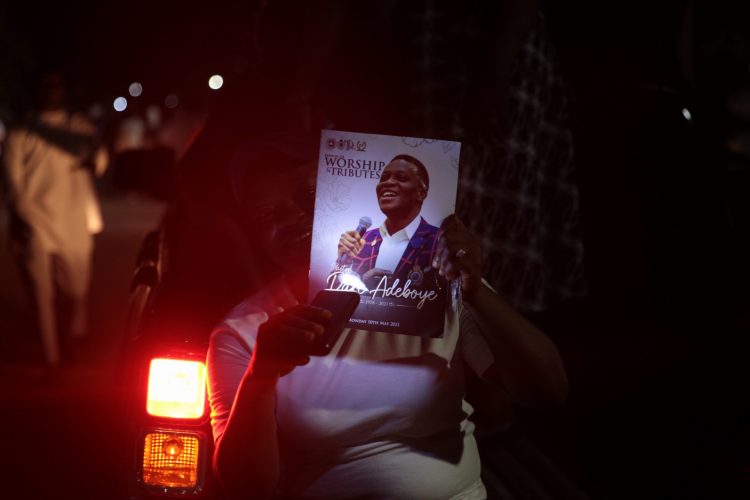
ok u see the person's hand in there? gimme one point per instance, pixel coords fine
(350, 243)
(459, 254)
(285, 340)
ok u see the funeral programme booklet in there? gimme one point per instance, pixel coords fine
(366, 183)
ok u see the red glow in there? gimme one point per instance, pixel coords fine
(176, 388)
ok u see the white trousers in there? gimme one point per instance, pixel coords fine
(68, 270)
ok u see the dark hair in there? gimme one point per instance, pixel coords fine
(421, 169)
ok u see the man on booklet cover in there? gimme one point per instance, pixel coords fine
(403, 247)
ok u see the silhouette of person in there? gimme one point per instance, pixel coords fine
(290, 425)
(49, 160)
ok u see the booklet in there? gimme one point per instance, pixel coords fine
(369, 183)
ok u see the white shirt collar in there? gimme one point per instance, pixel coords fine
(403, 234)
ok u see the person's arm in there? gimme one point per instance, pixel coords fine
(247, 454)
(13, 163)
(527, 363)
(101, 161)
(93, 153)
(246, 458)
(15, 187)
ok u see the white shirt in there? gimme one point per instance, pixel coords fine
(393, 246)
(381, 416)
(48, 187)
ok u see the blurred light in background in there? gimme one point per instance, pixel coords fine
(215, 82)
(687, 114)
(96, 111)
(135, 89)
(153, 116)
(120, 104)
(171, 101)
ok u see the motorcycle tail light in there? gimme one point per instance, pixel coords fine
(176, 388)
(170, 459)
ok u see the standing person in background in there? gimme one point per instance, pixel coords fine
(49, 161)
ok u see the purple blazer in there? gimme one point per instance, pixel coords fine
(416, 260)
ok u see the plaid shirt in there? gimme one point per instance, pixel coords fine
(416, 258)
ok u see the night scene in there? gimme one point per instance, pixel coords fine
(331, 249)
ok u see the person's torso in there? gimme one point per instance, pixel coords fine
(55, 188)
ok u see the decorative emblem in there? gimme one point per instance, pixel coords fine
(344, 144)
(416, 275)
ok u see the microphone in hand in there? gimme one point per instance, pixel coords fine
(364, 224)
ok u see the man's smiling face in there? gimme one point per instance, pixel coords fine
(400, 190)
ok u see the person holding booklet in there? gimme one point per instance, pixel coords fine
(382, 415)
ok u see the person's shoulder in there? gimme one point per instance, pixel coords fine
(244, 319)
(79, 122)
(427, 229)
(241, 323)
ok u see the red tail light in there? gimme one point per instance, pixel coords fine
(176, 388)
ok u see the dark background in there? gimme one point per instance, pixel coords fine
(168, 46)
(657, 352)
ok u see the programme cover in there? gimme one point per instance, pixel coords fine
(399, 290)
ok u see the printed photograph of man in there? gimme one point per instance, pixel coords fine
(404, 245)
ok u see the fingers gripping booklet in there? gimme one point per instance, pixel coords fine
(379, 204)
